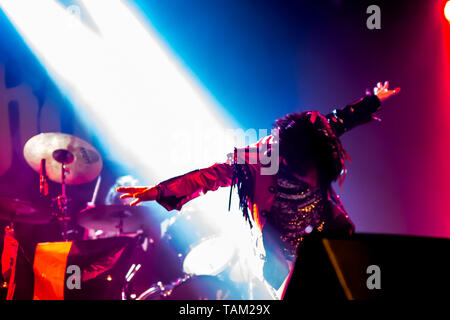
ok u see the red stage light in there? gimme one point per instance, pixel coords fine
(447, 10)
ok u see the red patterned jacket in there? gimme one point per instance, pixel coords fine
(175, 192)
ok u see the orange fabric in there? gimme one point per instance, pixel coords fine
(49, 268)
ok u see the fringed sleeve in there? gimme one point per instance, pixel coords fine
(175, 192)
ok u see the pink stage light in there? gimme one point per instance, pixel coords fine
(447, 10)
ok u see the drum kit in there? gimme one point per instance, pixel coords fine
(68, 160)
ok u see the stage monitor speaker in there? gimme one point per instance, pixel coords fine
(369, 266)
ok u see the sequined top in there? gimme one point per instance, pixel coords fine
(296, 211)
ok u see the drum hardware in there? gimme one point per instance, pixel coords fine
(16, 210)
(82, 160)
(163, 291)
(64, 159)
(43, 180)
(9, 258)
(68, 160)
(120, 219)
(191, 287)
(127, 290)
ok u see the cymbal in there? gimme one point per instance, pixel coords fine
(17, 210)
(108, 217)
(82, 160)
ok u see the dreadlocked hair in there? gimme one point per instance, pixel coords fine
(306, 141)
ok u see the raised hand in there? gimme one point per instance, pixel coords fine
(383, 92)
(140, 193)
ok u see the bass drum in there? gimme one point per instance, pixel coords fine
(200, 249)
(198, 288)
(210, 256)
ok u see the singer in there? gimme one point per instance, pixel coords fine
(293, 202)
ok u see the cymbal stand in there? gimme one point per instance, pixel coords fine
(119, 227)
(62, 201)
(64, 157)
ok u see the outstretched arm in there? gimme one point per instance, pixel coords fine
(361, 111)
(174, 193)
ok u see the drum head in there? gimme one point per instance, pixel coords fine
(210, 257)
(199, 249)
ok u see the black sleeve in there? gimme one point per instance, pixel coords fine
(359, 112)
